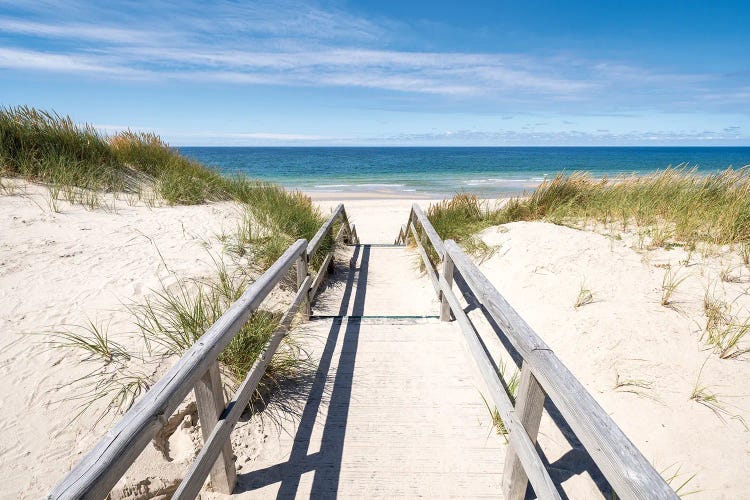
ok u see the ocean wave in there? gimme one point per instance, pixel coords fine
(501, 181)
(376, 185)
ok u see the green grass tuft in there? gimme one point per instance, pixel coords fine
(459, 219)
(673, 204)
(77, 163)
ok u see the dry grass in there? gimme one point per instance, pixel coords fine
(510, 383)
(78, 164)
(676, 204)
(670, 283)
(724, 331)
(745, 252)
(585, 296)
(639, 387)
(459, 219)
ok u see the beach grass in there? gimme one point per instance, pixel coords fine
(585, 296)
(676, 204)
(78, 163)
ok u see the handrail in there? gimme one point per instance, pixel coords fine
(325, 228)
(101, 468)
(628, 472)
(432, 235)
(199, 470)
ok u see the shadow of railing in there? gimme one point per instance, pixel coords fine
(325, 463)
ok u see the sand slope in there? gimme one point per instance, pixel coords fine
(64, 268)
(540, 267)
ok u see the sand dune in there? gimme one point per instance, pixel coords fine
(59, 269)
(67, 267)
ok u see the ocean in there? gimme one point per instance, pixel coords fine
(487, 171)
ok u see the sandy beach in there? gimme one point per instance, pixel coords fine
(639, 359)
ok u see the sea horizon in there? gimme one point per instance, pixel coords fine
(445, 170)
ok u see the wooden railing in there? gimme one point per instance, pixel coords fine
(198, 370)
(543, 376)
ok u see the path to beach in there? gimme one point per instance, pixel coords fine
(395, 407)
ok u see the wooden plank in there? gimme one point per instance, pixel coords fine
(345, 222)
(529, 408)
(629, 473)
(427, 264)
(320, 276)
(342, 231)
(401, 238)
(209, 398)
(518, 439)
(445, 308)
(315, 242)
(435, 240)
(302, 275)
(99, 470)
(220, 434)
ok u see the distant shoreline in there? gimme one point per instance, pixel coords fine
(439, 172)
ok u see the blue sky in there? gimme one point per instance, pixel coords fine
(388, 72)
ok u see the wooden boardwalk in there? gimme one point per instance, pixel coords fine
(395, 405)
(395, 409)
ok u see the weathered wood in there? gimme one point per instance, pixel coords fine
(445, 308)
(518, 439)
(329, 268)
(400, 236)
(341, 232)
(629, 473)
(529, 408)
(99, 470)
(221, 432)
(209, 398)
(435, 240)
(315, 242)
(427, 264)
(320, 277)
(302, 275)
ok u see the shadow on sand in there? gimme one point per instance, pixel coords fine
(326, 463)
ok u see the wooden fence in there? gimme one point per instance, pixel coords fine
(543, 376)
(198, 370)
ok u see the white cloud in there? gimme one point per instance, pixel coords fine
(73, 31)
(295, 44)
(65, 63)
(564, 138)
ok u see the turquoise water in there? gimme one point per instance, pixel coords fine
(444, 171)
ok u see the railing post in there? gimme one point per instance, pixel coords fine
(301, 275)
(348, 231)
(528, 409)
(355, 237)
(445, 308)
(333, 249)
(209, 398)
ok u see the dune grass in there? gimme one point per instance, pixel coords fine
(46, 147)
(78, 163)
(677, 203)
(461, 218)
(173, 318)
(585, 296)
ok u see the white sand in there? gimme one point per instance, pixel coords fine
(59, 269)
(62, 268)
(540, 267)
